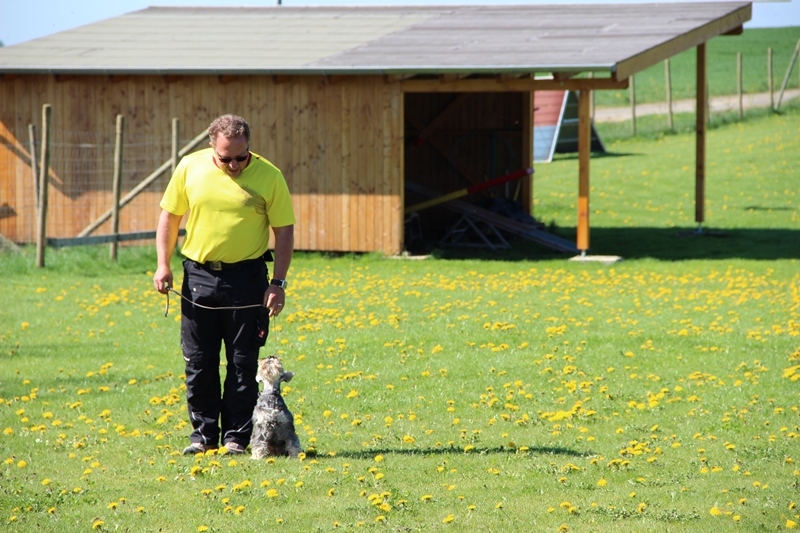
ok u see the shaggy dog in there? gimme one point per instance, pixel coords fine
(273, 424)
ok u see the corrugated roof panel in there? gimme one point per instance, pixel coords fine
(374, 39)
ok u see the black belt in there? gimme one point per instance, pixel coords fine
(217, 266)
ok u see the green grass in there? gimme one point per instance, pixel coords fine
(721, 68)
(513, 393)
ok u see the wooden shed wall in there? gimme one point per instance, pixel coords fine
(337, 140)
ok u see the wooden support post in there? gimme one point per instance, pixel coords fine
(34, 165)
(584, 154)
(700, 136)
(44, 181)
(175, 140)
(115, 187)
(668, 88)
(739, 84)
(632, 90)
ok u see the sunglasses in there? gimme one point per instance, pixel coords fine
(226, 160)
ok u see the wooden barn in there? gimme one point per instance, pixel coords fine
(367, 110)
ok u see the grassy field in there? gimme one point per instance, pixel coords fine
(721, 62)
(521, 393)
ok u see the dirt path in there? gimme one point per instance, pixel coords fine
(718, 104)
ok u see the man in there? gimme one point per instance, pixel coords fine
(233, 197)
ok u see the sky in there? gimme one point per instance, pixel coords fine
(22, 21)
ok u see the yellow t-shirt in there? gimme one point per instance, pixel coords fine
(229, 218)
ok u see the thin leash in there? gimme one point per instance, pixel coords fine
(224, 308)
(170, 289)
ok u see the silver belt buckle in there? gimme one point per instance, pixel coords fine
(214, 265)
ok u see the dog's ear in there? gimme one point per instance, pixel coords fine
(287, 376)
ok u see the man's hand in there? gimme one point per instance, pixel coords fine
(162, 280)
(274, 300)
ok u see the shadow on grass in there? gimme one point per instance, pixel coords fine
(665, 244)
(450, 450)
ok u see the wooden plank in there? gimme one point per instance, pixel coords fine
(347, 165)
(394, 168)
(684, 41)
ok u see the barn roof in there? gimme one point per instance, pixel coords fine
(616, 39)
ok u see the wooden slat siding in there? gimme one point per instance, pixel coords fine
(343, 173)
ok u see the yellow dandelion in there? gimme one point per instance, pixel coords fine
(602, 483)
(715, 511)
(97, 524)
(449, 518)
(272, 493)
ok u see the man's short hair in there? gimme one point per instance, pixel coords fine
(229, 126)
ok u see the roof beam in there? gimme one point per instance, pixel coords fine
(489, 85)
(684, 41)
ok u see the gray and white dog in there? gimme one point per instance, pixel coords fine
(273, 423)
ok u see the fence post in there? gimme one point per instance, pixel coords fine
(632, 91)
(739, 85)
(115, 187)
(769, 79)
(668, 81)
(788, 73)
(44, 181)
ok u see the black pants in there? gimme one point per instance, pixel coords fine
(203, 332)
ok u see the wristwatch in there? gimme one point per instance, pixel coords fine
(282, 283)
